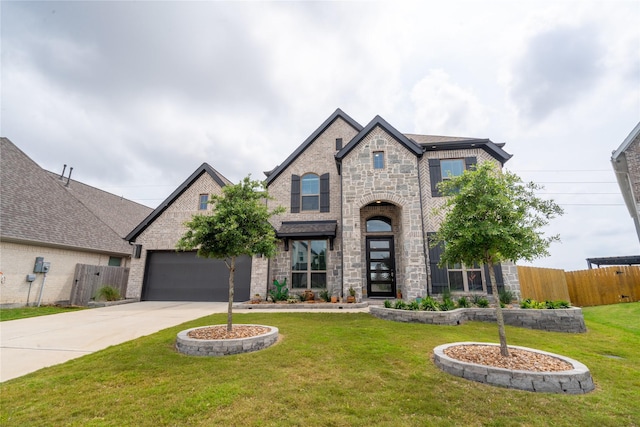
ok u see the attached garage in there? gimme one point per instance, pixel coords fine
(183, 276)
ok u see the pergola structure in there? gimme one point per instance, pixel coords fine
(614, 260)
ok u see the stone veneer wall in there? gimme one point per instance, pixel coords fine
(166, 230)
(318, 158)
(432, 222)
(632, 155)
(397, 183)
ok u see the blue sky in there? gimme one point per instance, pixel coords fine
(136, 95)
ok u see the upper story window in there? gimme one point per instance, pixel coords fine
(203, 202)
(310, 192)
(451, 168)
(378, 159)
(441, 169)
(378, 224)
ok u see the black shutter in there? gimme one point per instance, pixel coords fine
(435, 175)
(324, 193)
(498, 270)
(295, 193)
(439, 276)
(470, 162)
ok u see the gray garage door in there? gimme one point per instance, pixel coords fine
(182, 276)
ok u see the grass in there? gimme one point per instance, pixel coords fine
(24, 312)
(330, 370)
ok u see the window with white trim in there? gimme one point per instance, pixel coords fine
(465, 279)
(310, 192)
(203, 202)
(308, 264)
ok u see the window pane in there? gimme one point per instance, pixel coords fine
(379, 244)
(204, 199)
(115, 261)
(456, 281)
(474, 280)
(378, 160)
(318, 254)
(451, 168)
(381, 287)
(378, 224)
(310, 203)
(299, 256)
(318, 280)
(379, 255)
(310, 184)
(299, 280)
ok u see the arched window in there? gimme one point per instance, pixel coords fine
(310, 192)
(378, 224)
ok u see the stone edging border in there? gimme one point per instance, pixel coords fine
(560, 320)
(576, 381)
(299, 306)
(199, 347)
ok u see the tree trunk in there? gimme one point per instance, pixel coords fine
(504, 350)
(232, 270)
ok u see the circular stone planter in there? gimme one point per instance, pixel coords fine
(575, 381)
(224, 347)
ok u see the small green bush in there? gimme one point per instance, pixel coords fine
(463, 302)
(387, 303)
(447, 304)
(108, 293)
(539, 305)
(400, 305)
(481, 302)
(429, 304)
(506, 296)
(413, 305)
(324, 294)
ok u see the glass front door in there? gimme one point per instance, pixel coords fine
(381, 270)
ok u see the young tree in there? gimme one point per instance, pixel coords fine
(237, 225)
(490, 217)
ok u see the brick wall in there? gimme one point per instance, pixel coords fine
(166, 230)
(17, 260)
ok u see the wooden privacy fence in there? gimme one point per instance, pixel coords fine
(543, 284)
(90, 278)
(584, 288)
(600, 286)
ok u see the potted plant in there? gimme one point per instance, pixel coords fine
(256, 299)
(352, 295)
(324, 295)
(308, 295)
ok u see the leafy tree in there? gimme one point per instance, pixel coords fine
(490, 217)
(237, 225)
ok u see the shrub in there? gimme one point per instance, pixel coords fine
(429, 304)
(482, 302)
(324, 294)
(506, 296)
(413, 305)
(399, 305)
(463, 302)
(387, 303)
(108, 293)
(447, 304)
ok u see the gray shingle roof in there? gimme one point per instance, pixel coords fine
(35, 208)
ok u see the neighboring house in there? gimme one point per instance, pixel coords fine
(158, 272)
(626, 164)
(43, 214)
(358, 214)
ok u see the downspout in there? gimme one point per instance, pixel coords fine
(340, 295)
(424, 245)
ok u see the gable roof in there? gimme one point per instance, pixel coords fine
(271, 175)
(36, 209)
(379, 121)
(623, 175)
(204, 168)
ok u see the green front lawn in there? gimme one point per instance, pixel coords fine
(24, 312)
(330, 370)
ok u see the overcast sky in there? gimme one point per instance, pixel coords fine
(136, 95)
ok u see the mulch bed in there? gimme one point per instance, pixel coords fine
(219, 332)
(520, 360)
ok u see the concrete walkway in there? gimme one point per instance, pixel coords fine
(27, 345)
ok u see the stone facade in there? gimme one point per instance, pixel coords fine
(165, 231)
(400, 191)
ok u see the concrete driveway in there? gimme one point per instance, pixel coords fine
(27, 345)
